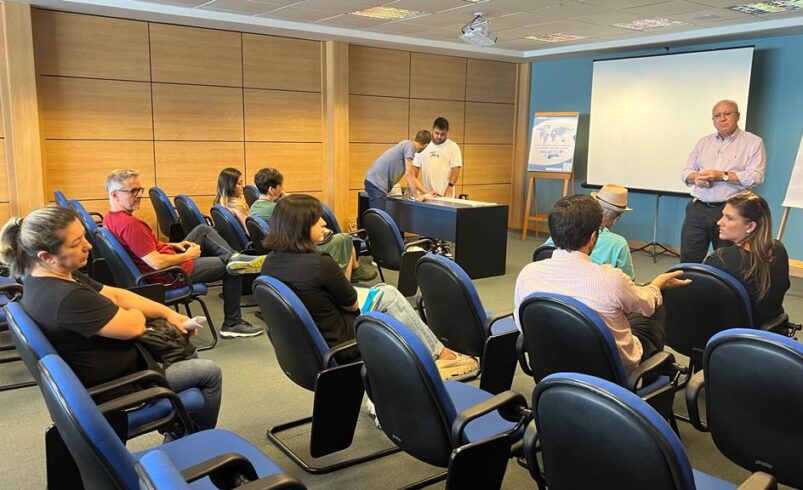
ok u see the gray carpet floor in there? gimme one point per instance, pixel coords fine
(257, 395)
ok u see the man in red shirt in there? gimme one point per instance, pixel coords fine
(219, 261)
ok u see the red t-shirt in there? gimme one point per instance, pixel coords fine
(139, 240)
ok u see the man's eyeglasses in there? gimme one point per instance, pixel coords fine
(720, 114)
(135, 192)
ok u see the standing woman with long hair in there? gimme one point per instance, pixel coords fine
(230, 185)
(758, 261)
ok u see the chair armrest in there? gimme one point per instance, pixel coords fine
(511, 405)
(221, 467)
(493, 319)
(659, 360)
(420, 241)
(360, 233)
(759, 481)
(779, 324)
(12, 290)
(329, 357)
(96, 217)
(209, 221)
(530, 449)
(138, 398)
(180, 277)
(421, 308)
(522, 355)
(148, 375)
(695, 386)
(279, 481)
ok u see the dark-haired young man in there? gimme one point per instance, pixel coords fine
(627, 309)
(440, 161)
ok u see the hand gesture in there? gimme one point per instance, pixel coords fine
(669, 280)
(702, 183)
(192, 251)
(177, 320)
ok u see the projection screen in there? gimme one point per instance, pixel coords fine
(647, 113)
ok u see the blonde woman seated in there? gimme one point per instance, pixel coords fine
(326, 292)
(270, 183)
(230, 185)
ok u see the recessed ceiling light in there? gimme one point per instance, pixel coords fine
(651, 23)
(771, 7)
(557, 37)
(387, 13)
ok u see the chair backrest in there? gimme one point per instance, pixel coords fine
(122, 267)
(166, 214)
(61, 199)
(298, 343)
(595, 434)
(86, 219)
(403, 382)
(453, 308)
(754, 401)
(331, 219)
(251, 194)
(384, 238)
(562, 334)
(189, 215)
(32, 344)
(102, 459)
(229, 227)
(714, 301)
(258, 230)
(543, 252)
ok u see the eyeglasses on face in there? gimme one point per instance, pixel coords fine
(135, 192)
(722, 114)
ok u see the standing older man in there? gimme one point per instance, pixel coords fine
(440, 161)
(720, 166)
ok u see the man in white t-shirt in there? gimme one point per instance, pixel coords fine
(440, 161)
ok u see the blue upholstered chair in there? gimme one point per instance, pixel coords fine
(189, 214)
(561, 334)
(61, 199)
(357, 237)
(105, 462)
(97, 268)
(258, 230)
(308, 361)
(250, 194)
(181, 291)
(447, 424)
(9, 290)
(229, 227)
(391, 252)
(543, 252)
(753, 383)
(596, 434)
(166, 215)
(450, 306)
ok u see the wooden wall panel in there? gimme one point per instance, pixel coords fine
(4, 197)
(185, 112)
(79, 168)
(279, 115)
(145, 212)
(87, 46)
(301, 164)
(487, 164)
(498, 193)
(193, 167)
(376, 71)
(94, 109)
(377, 119)
(192, 55)
(437, 77)
(281, 63)
(423, 114)
(352, 208)
(489, 123)
(491, 81)
(361, 156)
(5, 212)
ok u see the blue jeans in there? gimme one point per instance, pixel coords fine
(394, 304)
(377, 198)
(207, 377)
(211, 266)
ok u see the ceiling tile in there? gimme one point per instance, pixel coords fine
(611, 18)
(571, 10)
(245, 7)
(430, 6)
(353, 21)
(179, 3)
(400, 27)
(623, 4)
(339, 6)
(295, 14)
(667, 9)
(710, 16)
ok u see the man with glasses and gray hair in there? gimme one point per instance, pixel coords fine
(720, 166)
(203, 254)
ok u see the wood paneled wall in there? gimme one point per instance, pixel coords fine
(177, 103)
(393, 94)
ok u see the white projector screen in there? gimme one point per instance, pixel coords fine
(647, 113)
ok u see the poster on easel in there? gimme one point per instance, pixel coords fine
(794, 193)
(552, 142)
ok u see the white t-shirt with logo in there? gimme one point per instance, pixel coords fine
(436, 163)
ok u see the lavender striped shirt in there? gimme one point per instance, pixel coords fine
(742, 153)
(603, 288)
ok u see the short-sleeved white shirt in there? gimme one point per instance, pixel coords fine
(436, 163)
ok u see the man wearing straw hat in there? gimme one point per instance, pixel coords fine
(611, 248)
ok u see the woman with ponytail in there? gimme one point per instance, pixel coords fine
(758, 261)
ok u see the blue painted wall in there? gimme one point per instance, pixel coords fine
(775, 114)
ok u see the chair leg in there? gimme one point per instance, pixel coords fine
(211, 325)
(62, 472)
(381, 275)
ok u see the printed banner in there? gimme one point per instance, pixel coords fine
(552, 142)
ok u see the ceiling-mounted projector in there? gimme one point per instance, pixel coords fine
(476, 32)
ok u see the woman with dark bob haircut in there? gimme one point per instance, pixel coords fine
(758, 261)
(296, 226)
(92, 326)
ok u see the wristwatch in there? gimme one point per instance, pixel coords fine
(450, 184)
(725, 176)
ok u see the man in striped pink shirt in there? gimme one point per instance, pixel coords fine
(632, 312)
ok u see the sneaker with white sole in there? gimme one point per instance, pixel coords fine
(460, 365)
(363, 274)
(245, 264)
(372, 413)
(240, 329)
